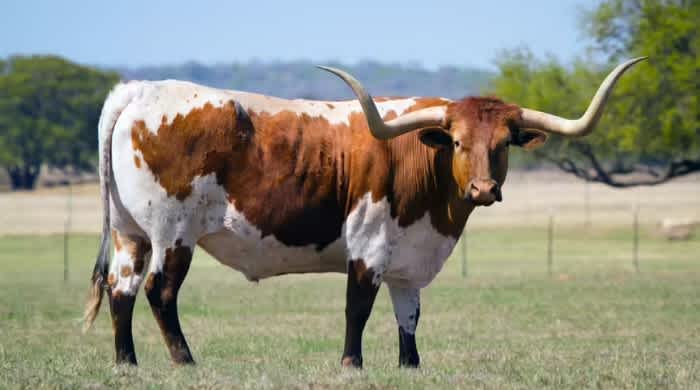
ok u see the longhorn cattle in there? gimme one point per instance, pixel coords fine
(378, 190)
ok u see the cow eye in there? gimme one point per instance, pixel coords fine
(457, 143)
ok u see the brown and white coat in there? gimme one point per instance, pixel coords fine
(270, 186)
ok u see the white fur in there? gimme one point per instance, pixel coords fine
(408, 256)
(128, 285)
(406, 302)
(171, 97)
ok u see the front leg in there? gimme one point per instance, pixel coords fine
(406, 303)
(361, 290)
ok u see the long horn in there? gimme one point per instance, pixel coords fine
(586, 123)
(431, 116)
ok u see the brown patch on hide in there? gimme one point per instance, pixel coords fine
(111, 280)
(426, 102)
(125, 271)
(135, 246)
(200, 142)
(116, 241)
(360, 270)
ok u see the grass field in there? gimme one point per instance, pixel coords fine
(594, 323)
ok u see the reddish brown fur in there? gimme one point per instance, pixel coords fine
(116, 241)
(137, 248)
(426, 102)
(149, 282)
(197, 141)
(360, 269)
(381, 99)
(316, 172)
(482, 125)
(125, 271)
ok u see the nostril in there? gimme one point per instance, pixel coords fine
(474, 190)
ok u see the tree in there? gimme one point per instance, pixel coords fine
(650, 132)
(49, 109)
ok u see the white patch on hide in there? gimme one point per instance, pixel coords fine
(408, 256)
(406, 302)
(127, 285)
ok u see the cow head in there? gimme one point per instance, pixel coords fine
(477, 132)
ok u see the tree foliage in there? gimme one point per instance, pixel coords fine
(49, 109)
(650, 132)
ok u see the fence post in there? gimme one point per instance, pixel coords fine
(635, 238)
(66, 231)
(550, 238)
(587, 204)
(464, 252)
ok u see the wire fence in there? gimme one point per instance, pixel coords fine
(537, 238)
(563, 250)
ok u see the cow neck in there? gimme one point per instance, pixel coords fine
(424, 184)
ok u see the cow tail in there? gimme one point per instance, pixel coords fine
(114, 105)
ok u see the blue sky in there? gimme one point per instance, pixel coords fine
(429, 33)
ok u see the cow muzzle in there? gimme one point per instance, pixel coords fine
(484, 192)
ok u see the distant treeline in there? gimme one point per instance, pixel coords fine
(303, 80)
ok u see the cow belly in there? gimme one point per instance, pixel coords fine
(263, 258)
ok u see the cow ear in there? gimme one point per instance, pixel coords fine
(435, 137)
(529, 139)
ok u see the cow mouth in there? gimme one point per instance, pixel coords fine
(485, 198)
(482, 202)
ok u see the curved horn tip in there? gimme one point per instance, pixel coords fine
(345, 76)
(585, 124)
(330, 69)
(634, 61)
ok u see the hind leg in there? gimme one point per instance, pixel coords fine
(166, 274)
(125, 276)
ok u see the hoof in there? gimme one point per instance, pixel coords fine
(351, 361)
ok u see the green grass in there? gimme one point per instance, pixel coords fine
(594, 323)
